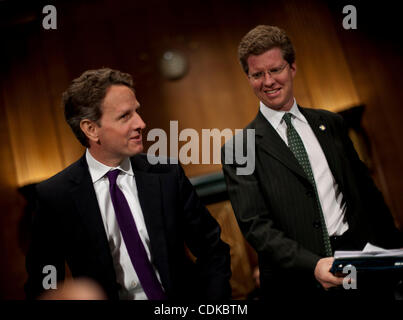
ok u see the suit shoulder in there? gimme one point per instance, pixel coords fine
(59, 180)
(332, 118)
(155, 164)
(238, 140)
(324, 113)
(240, 136)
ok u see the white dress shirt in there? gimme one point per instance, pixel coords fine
(126, 276)
(330, 196)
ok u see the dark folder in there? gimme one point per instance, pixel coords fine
(381, 260)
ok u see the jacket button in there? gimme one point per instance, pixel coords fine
(316, 224)
(133, 284)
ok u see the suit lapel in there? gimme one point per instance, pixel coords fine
(322, 130)
(269, 140)
(83, 193)
(148, 187)
(149, 192)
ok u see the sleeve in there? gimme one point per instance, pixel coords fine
(45, 262)
(202, 236)
(254, 220)
(378, 215)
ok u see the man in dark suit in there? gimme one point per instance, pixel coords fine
(309, 193)
(115, 218)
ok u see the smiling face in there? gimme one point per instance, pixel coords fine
(276, 90)
(119, 134)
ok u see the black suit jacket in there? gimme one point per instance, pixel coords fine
(68, 228)
(276, 207)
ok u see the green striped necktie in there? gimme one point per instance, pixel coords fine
(297, 147)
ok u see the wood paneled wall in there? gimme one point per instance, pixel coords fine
(336, 68)
(374, 56)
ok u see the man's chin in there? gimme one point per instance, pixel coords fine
(277, 106)
(133, 151)
(273, 106)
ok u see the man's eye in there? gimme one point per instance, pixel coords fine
(257, 75)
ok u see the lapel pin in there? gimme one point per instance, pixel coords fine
(322, 127)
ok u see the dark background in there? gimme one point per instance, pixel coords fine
(337, 69)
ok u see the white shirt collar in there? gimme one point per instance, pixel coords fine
(98, 169)
(275, 117)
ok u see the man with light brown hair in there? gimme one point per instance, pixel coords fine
(309, 194)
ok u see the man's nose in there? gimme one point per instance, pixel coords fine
(138, 122)
(267, 79)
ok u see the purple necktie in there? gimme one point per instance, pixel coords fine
(131, 237)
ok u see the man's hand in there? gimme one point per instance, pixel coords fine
(324, 276)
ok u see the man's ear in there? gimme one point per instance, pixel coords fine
(293, 68)
(90, 129)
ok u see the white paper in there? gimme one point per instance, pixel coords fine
(370, 251)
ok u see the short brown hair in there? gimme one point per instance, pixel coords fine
(83, 98)
(261, 39)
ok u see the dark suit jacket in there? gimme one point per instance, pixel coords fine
(276, 207)
(68, 227)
